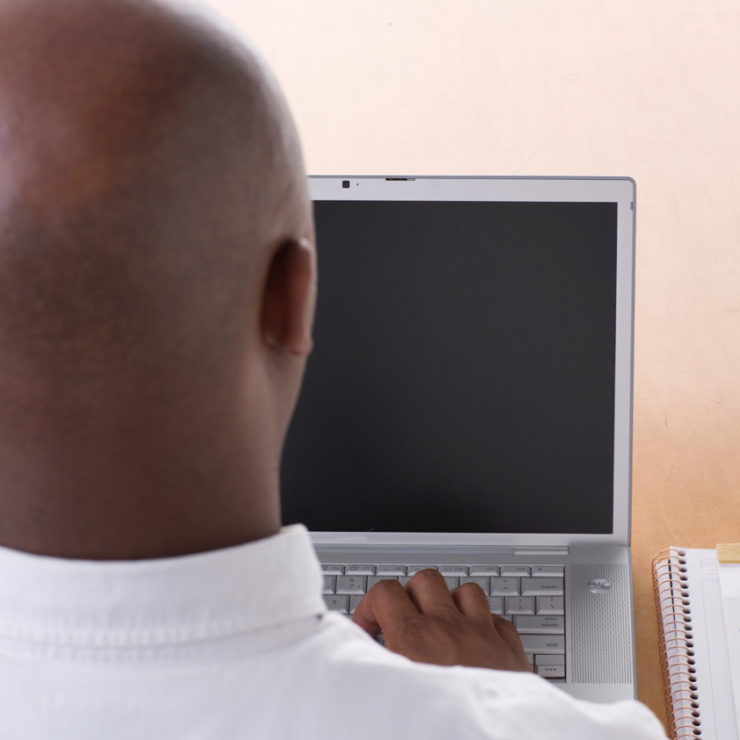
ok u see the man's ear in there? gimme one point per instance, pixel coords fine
(289, 297)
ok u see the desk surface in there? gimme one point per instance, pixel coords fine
(686, 487)
(581, 88)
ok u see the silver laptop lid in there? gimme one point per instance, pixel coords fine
(471, 381)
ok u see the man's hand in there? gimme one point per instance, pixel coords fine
(426, 622)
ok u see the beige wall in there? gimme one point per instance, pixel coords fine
(649, 89)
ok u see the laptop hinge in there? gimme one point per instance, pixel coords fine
(541, 550)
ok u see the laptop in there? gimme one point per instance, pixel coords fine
(468, 404)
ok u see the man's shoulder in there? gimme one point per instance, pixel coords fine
(357, 672)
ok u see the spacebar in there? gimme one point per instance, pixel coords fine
(548, 644)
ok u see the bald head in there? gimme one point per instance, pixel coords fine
(157, 282)
(148, 166)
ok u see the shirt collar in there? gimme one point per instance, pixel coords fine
(223, 592)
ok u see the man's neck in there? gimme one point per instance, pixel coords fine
(132, 519)
(130, 484)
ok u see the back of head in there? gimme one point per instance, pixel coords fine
(156, 285)
(146, 164)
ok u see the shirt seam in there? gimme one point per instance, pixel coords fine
(175, 635)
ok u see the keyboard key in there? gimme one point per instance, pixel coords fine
(504, 586)
(360, 569)
(484, 583)
(351, 584)
(452, 583)
(416, 568)
(549, 659)
(519, 605)
(372, 580)
(542, 586)
(539, 625)
(515, 570)
(484, 570)
(387, 569)
(336, 603)
(550, 605)
(332, 569)
(544, 644)
(330, 584)
(353, 602)
(548, 571)
(453, 570)
(551, 671)
(497, 604)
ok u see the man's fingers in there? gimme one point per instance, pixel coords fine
(428, 590)
(472, 601)
(508, 632)
(384, 605)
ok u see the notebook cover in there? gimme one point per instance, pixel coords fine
(693, 651)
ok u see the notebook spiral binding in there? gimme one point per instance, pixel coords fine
(673, 602)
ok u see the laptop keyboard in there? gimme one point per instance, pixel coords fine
(530, 596)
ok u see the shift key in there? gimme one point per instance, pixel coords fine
(549, 644)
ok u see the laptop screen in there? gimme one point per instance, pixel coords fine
(463, 372)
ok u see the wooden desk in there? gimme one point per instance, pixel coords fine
(686, 477)
(541, 88)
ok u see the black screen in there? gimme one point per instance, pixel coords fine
(463, 372)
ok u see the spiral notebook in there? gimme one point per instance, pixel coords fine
(696, 597)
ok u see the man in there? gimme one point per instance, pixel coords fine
(157, 287)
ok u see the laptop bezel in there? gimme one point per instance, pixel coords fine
(619, 190)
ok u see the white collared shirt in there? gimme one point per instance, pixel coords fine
(237, 643)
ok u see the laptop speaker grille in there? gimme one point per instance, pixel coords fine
(599, 624)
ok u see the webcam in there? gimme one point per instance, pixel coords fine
(345, 183)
